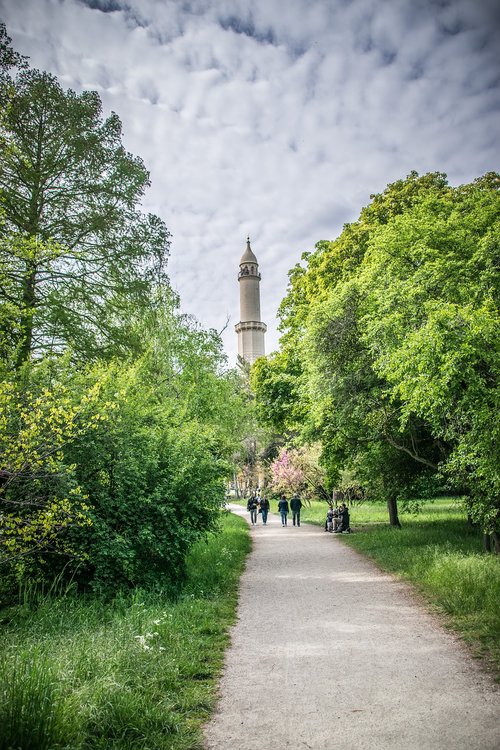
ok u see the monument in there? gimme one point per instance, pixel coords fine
(250, 329)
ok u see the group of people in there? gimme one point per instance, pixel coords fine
(260, 505)
(337, 519)
(284, 509)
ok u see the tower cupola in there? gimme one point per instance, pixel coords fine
(248, 256)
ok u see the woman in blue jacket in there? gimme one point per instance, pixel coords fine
(283, 509)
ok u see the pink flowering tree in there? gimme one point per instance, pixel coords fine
(286, 475)
(298, 470)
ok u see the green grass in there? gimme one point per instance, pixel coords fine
(440, 554)
(134, 674)
(440, 509)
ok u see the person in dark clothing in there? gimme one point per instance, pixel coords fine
(252, 507)
(264, 509)
(295, 506)
(283, 509)
(344, 520)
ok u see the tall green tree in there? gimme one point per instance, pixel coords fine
(352, 408)
(76, 251)
(431, 319)
(391, 328)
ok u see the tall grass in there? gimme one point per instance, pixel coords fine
(136, 673)
(32, 708)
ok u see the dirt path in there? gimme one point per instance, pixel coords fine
(330, 653)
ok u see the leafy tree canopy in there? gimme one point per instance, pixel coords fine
(75, 249)
(390, 329)
(118, 416)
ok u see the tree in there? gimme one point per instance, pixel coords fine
(391, 330)
(297, 470)
(9, 58)
(352, 408)
(431, 324)
(275, 382)
(76, 252)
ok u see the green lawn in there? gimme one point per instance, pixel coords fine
(440, 509)
(133, 674)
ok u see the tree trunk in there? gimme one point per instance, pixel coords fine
(27, 312)
(495, 537)
(392, 507)
(29, 300)
(486, 542)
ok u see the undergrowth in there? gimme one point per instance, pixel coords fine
(135, 673)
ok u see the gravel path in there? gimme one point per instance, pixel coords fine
(328, 652)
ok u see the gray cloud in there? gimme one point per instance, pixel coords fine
(278, 125)
(105, 6)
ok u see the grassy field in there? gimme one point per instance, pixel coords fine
(440, 554)
(134, 674)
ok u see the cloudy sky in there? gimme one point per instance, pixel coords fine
(276, 118)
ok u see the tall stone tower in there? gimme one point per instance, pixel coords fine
(250, 329)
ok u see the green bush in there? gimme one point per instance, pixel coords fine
(133, 673)
(147, 454)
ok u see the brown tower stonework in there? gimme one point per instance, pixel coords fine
(250, 329)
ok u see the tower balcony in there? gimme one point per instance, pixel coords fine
(246, 274)
(250, 325)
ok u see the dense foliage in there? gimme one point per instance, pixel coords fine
(118, 417)
(77, 253)
(139, 671)
(390, 348)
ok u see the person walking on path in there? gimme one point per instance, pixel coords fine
(264, 509)
(252, 507)
(283, 509)
(295, 506)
